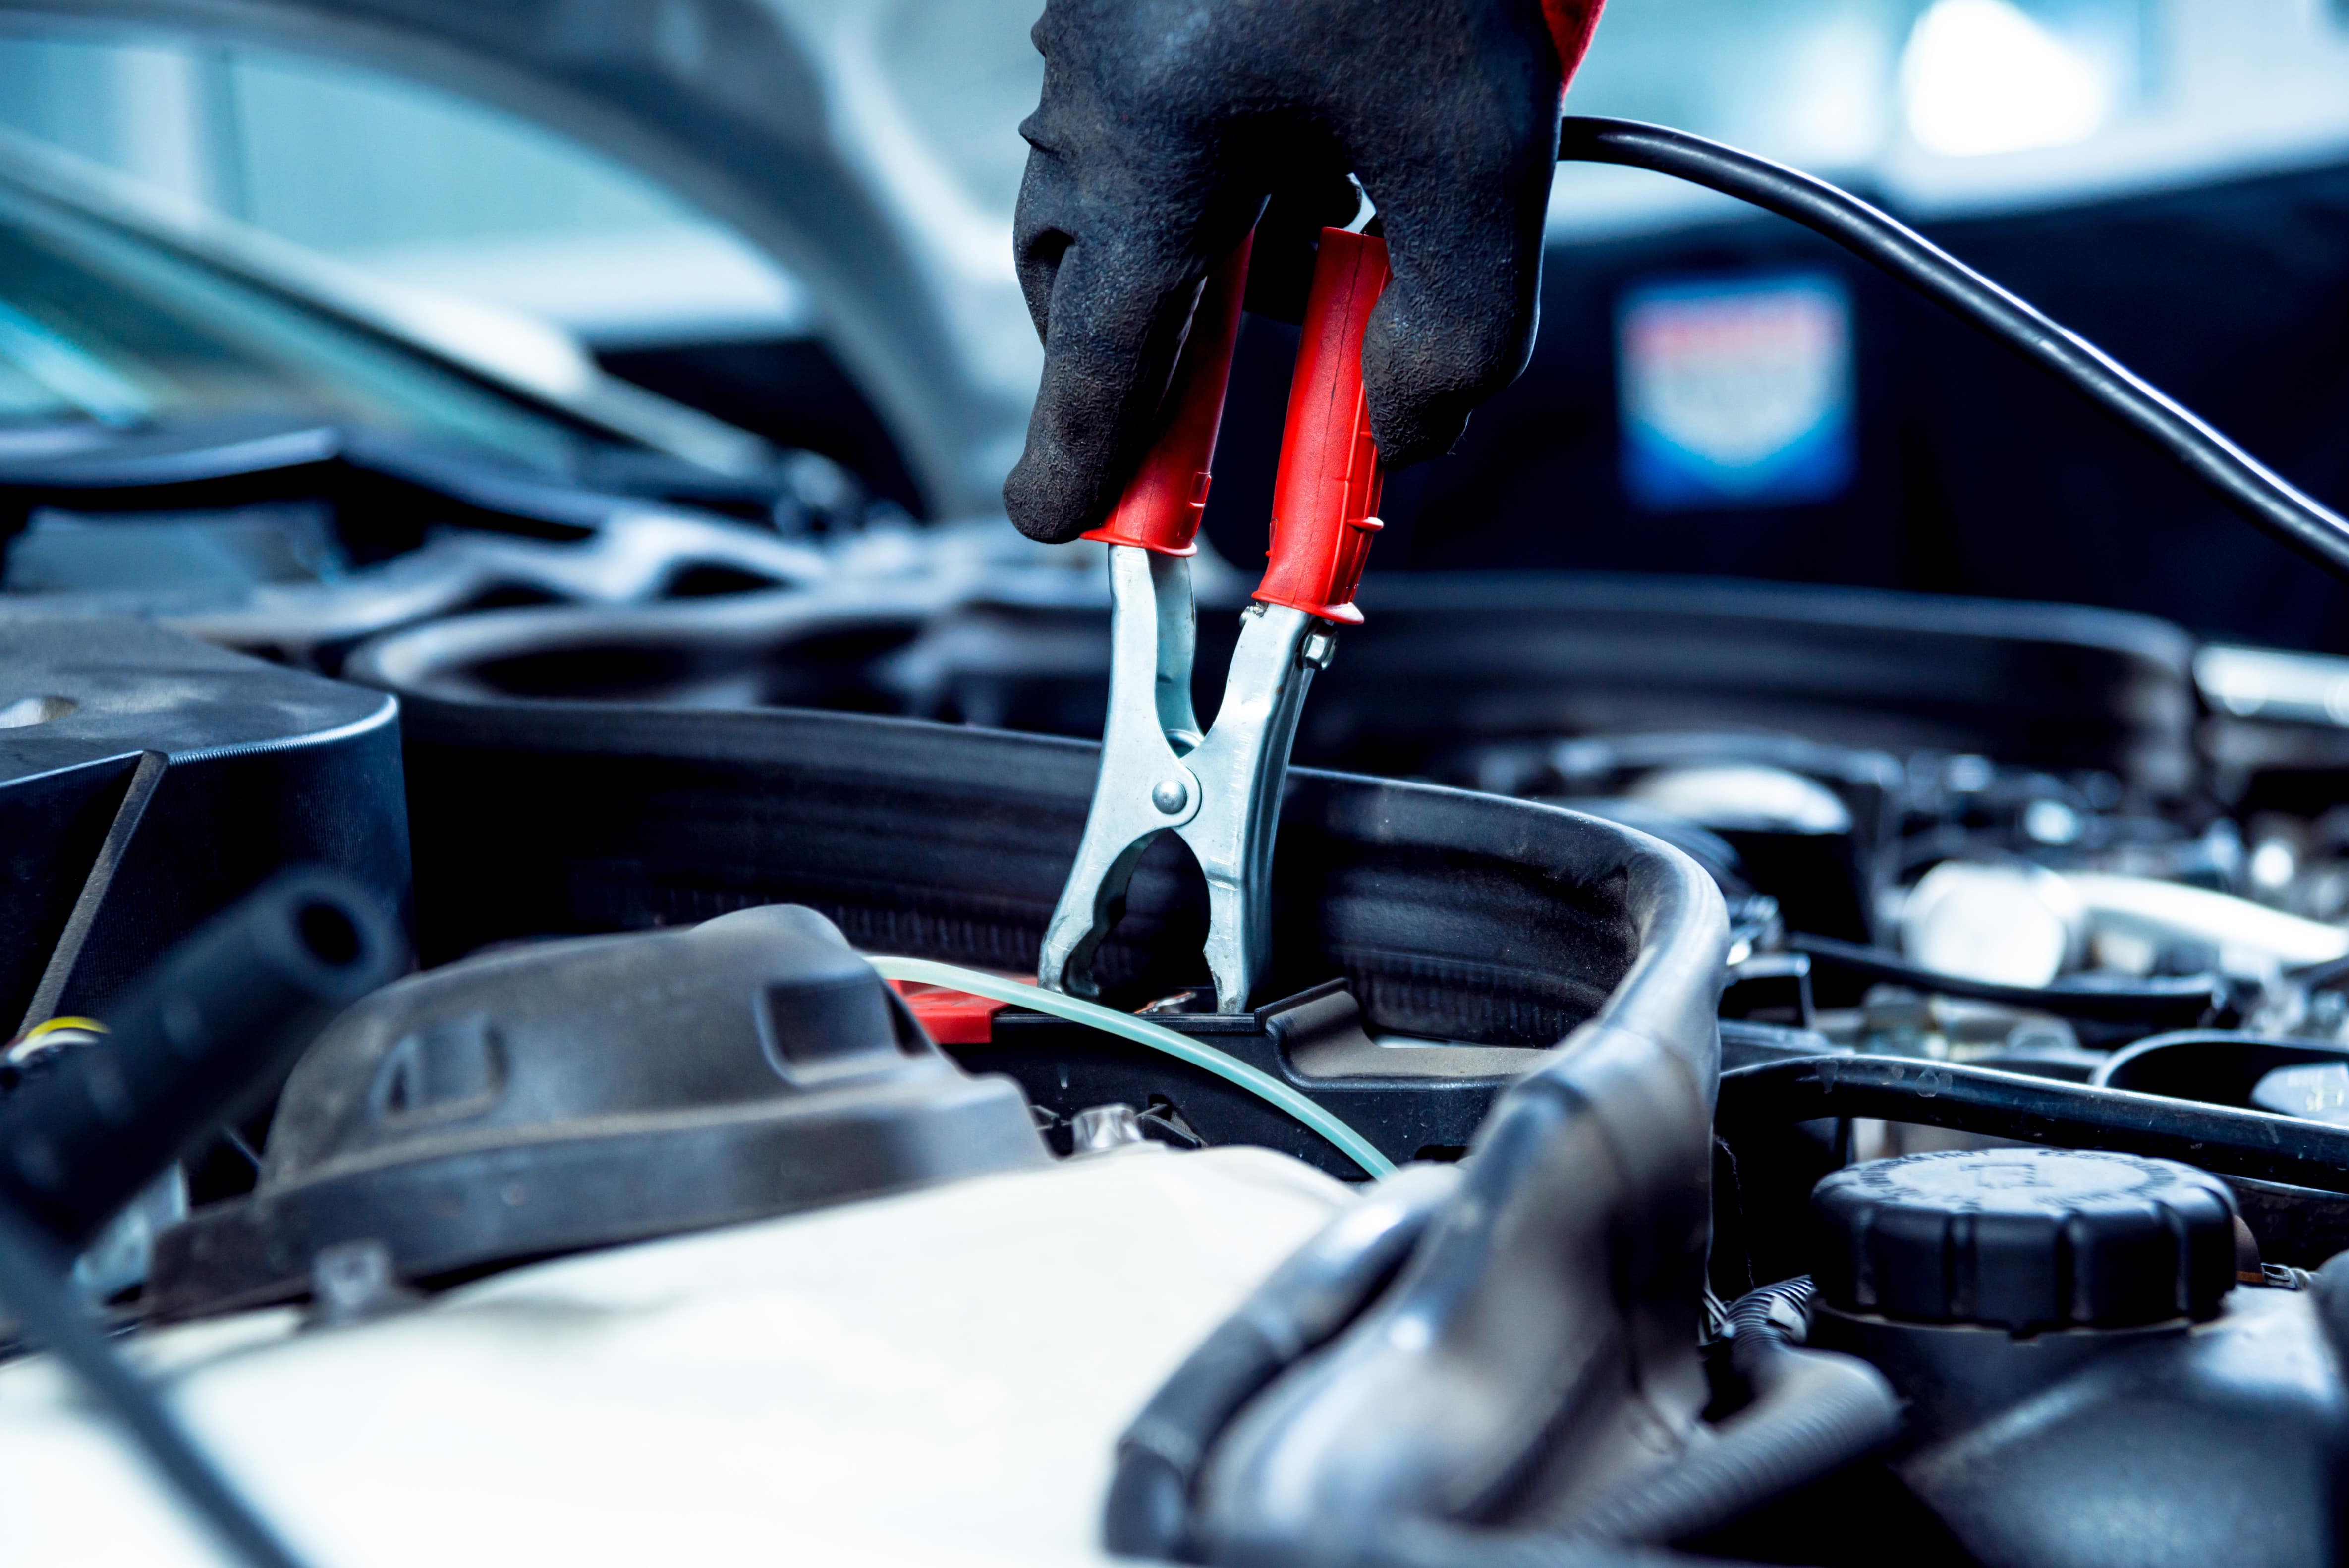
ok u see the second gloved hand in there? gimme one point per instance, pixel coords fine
(1166, 126)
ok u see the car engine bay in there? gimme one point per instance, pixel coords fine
(527, 1047)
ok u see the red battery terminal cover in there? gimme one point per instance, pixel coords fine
(951, 1018)
(1326, 497)
(1162, 504)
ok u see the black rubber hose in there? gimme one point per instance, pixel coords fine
(2219, 1139)
(1813, 1412)
(2228, 472)
(2217, 1067)
(1311, 1296)
(218, 1017)
(2329, 976)
(2158, 1004)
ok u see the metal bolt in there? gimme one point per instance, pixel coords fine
(353, 1281)
(1171, 795)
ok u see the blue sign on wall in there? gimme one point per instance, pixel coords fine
(1735, 392)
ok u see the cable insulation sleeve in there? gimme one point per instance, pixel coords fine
(31, 1285)
(2233, 475)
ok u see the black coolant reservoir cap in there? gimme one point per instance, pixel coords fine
(584, 1092)
(2025, 1239)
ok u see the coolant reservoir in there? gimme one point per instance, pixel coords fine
(937, 1377)
(2095, 1375)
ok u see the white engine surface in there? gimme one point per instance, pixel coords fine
(937, 1378)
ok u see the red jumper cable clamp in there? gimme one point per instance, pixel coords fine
(1220, 792)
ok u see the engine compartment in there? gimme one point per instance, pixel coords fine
(1746, 1072)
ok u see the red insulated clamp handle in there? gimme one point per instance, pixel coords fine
(1324, 500)
(1163, 502)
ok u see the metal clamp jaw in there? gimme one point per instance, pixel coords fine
(1221, 794)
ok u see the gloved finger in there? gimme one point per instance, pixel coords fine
(1288, 237)
(1463, 218)
(1113, 312)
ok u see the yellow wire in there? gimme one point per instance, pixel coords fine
(86, 1025)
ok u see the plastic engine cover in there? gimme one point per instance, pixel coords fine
(573, 1094)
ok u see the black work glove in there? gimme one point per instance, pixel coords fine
(1165, 128)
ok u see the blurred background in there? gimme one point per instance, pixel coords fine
(794, 215)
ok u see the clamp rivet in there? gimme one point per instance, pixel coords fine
(1171, 795)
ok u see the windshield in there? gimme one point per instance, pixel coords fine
(99, 327)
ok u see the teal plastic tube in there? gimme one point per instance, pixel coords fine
(1125, 1025)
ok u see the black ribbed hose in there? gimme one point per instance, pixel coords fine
(1813, 1412)
(1318, 1291)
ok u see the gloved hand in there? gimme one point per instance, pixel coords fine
(1165, 127)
